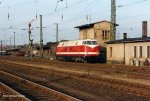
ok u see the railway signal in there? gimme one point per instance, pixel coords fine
(30, 40)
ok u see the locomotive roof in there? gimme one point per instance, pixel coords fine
(74, 42)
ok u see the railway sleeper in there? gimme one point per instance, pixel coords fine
(31, 85)
(13, 92)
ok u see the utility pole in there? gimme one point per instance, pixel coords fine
(57, 32)
(30, 41)
(41, 37)
(113, 21)
(14, 40)
(10, 42)
(1, 47)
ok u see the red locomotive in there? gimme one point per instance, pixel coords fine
(78, 51)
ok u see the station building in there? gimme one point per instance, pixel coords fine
(130, 51)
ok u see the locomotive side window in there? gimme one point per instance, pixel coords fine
(89, 43)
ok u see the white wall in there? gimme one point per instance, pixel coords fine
(130, 51)
(118, 52)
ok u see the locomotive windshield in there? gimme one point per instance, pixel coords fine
(90, 42)
(94, 42)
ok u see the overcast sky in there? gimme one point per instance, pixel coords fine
(68, 14)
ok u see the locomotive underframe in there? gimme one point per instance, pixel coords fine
(82, 59)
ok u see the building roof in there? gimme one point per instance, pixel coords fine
(89, 25)
(51, 43)
(130, 40)
(45, 47)
(16, 49)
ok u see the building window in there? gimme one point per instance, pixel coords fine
(105, 35)
(110, 51)
(108, 35)
(148, 51)
(135, 51)
(140, 51)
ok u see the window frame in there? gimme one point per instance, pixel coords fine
(105, 34)
(140, 51)
(148, 51)
(135, 51)
(111, 51)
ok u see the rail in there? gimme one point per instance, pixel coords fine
(34, 91)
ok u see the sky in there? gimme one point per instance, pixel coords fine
(68, 14)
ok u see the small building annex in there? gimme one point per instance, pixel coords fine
(130, 51)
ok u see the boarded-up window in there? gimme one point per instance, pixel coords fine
(105, 35)
(135, 51)
(148, 51)
(110, 51)
(140, 51)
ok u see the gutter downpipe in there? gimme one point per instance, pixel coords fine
(124, 54)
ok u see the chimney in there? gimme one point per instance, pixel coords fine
(124, 35)
(144, 29)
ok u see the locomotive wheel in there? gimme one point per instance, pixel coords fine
(64, 59)
(84, 61)
(76, 60)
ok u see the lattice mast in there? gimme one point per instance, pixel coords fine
(113, 20)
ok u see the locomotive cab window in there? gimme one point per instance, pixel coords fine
(89, 42)
(84, 43)
(94, 42)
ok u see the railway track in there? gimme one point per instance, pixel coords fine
(83, 82)
(8, 94)
(107, 68)
(33, 91)
(114, 70)
(134, 73)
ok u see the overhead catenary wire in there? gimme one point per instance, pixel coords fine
(36, 9)
(70, 20)
(77, 16)
(58, 11)
(58, 1)
(2, 1)
(64, 8)
(20, 4)
(80, 2)
(8, 13)
(74, 4)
